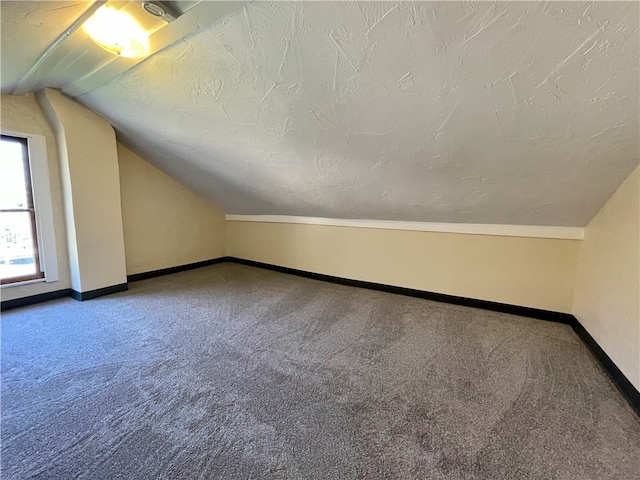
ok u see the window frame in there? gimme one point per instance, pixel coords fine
(42, 210)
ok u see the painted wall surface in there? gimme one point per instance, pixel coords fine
(532, 272)
(91, 190)
(522, 113)
(165, 223)
(607, 296)
(21, 114)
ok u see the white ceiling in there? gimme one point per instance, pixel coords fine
(505, 113)
(28, 28)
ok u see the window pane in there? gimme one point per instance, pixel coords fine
(17, 255)
(13, 185)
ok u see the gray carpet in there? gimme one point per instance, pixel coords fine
(234, 372)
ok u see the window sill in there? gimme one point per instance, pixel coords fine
(26, 282)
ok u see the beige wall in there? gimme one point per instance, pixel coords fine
(22, 115)
(532, 272)
(109, 223)
(118, 202)
(91, 192)
(165, 223)
(607, 295)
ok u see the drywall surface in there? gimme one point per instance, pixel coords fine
(22, 115)
(522, 113)
(532, 272)
(165, 224)
(91, 190)
(607, 296)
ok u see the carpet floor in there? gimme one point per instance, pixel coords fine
(235, 372)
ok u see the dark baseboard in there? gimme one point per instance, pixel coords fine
(67, 292)
(181, 268)
(628, 391)
(625, 387)
(100, 292)
(558, 317)
(81, 296)
(34, 299)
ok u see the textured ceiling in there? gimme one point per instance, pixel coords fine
(514, 113)
(28, 28)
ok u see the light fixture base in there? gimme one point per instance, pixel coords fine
(160, 10)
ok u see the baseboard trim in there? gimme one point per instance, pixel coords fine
(82, 296)
(100, 292)
(621, 382)
(180, 268)
(67, 292)
(624, 386)
(34, 299)
(438, 297)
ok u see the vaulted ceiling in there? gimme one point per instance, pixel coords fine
(507, 113)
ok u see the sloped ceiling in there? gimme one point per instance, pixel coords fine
(28, 28)
(507, 113)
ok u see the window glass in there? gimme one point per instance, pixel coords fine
(13, 191)
(18, 243)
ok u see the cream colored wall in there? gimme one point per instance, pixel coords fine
(532, 272)
(91, 192)
(22, 115)
(99, 211)
(162, 224)
(607, 295)
(165, 223)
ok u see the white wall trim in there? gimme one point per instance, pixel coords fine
(40, 183)
(532, 231)
(44, 207)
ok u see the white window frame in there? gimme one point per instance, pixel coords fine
(40, 183)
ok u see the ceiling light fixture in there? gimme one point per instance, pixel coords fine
(160, 10)
(117, 32)
(153, 8)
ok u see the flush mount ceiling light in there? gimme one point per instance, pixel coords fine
(154, 8)
(160, 10)
(117, 32)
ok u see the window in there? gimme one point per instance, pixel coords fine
(23, 251)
